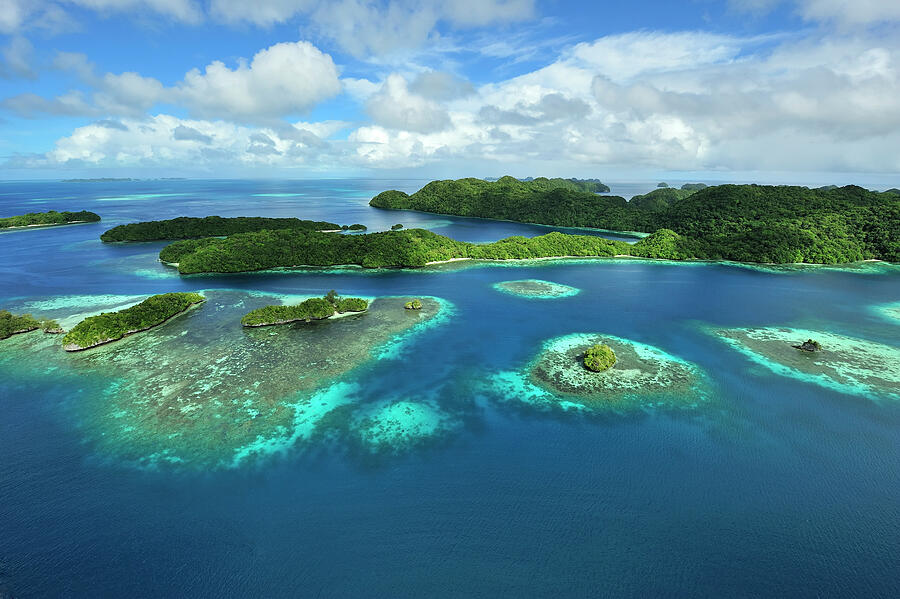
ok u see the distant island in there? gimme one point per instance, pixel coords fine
(47, 219)
(100, 180)
(186, 227)
(112, 326)
(745, 223)
(315, 308)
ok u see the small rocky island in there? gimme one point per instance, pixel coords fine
(415, 304)
(112, 326)
(13, 324)
(314, 308)
(809, 346)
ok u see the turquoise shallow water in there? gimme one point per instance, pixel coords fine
(424, 469)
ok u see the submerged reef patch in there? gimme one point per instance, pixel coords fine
(642, 376)
(536, 288)
(845, 364)
(204, 391)
(889, 311)
(396, 425)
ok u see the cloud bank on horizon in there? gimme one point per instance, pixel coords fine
(449, 87)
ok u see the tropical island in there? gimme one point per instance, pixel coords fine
(406, 248)
(112, 326)
(745, 223)
(48, 219)
(599, 357)
(185, 227)
(315, 308)
(13, 324)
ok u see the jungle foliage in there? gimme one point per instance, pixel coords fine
(111, 326)
(48, 218)
(185, 227)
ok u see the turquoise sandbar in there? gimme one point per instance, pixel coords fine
(845, 364)
(536, 289)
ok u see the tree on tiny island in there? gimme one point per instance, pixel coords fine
(415, 304)
(599, 357)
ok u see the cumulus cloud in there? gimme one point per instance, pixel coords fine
(283, 79)
(436, 85)
(395, 107)
(706, 103)
(165, 140)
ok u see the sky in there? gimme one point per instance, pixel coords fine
(781, 91)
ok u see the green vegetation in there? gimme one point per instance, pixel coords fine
(315, 308)
(747, 223)
(10, 324)
(694, 186)
(391, 249)
(111, 326)
(354, 227)
(599, 357)
(810, 345)
(186, 227)
(34, 219)
(396, 227)
(662, 185)
(415, 304)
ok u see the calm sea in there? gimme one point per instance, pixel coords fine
(772, 486)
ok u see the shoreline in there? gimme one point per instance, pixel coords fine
(42, 226)
(630, 234)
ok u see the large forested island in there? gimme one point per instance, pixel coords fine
(390, 249)
(112, 326)
(748, 223)
(185, 227)
(49, 218)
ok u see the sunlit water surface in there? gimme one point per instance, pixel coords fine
(406, 455)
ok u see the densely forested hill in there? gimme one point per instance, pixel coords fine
(752, 223)
(185, 227)
(52, 217)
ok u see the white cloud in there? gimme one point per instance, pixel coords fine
(283, 79)
(396, 108)
(842, 12)
(16, 59)
(165, 140)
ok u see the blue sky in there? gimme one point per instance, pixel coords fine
(775, 90)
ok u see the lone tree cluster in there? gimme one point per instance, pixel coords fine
(599, 357)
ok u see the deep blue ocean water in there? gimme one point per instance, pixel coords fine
(772, 487)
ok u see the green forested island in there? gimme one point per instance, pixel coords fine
(390, 249)
(186, 227)
(11, 324)
(111, 326)
(52, 217)
(316, 308)
(747, 223)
